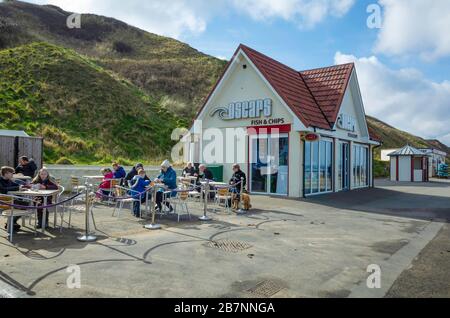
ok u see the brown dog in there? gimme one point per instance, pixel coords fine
(245, 197)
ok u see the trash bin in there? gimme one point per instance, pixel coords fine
(217, 172)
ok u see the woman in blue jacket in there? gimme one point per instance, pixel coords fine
(138, 188)
(168, 177)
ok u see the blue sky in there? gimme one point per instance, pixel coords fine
(403, 66)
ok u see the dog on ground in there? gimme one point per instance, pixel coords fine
(246, 205)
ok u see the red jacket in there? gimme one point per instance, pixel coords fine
(106, 184)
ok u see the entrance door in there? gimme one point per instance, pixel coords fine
(344, 166)
(269, 164)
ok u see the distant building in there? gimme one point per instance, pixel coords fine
(385, 153)
(436, 158)
(13, 133)
(409, 164)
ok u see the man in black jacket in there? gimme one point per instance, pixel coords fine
(133, 172)
(238, 175)
(26, 167)
(7, 185)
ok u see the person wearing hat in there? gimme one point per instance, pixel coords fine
(168, 177)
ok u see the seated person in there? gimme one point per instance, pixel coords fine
(168, 177)
(26, 167)
(105, 186)
(45, 182)
(7, 185)
(203, 175)
(119, 171)
(238, 175)
(189, 170)
(133, 173)
(139, 185)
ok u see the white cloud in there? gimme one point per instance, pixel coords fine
(177, 18)
(403, 98)
(171, 18)
(415, 27)
(305, 13)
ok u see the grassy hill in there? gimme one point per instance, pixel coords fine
(107, 90)
(395, 138)
(169, 70)
(83, 111)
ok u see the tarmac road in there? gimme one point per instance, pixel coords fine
(429, 275)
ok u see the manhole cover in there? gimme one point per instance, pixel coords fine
(229, 246)
(266, 288)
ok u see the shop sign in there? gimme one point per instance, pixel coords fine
(244, 110)
(309, 136)
(346, 122)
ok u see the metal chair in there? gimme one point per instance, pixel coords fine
(122, 192)
(179, 203)
(10, 213)
(223, 194)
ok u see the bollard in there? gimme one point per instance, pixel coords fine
(153, 225)
(241, 210)
(205, 217)
(87, 237)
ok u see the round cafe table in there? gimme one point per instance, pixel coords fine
(36, 194)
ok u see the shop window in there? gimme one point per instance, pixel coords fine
(318, 167)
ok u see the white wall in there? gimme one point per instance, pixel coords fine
(393, 168)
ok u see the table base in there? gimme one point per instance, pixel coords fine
(153, 227)
(205, 218)
(87, 238)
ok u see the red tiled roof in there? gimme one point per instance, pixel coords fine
(328, 85)
(291, 87)
(373, 135)
(315, 96)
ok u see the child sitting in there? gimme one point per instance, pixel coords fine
(138, 187)
(45, 182)
(105, 186)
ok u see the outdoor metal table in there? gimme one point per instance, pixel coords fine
(35, 194)
(155, 187)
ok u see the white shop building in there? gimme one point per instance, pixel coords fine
(305, 131)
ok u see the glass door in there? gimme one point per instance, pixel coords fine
(344, 166)
(269, 171)
(318, 166)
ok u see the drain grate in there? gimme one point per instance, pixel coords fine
(266, 288)
(229, 246)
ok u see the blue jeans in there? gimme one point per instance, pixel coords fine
(137, 207)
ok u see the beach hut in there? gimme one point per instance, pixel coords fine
(409, 164)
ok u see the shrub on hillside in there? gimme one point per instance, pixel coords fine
(64, 161)
(122, 47)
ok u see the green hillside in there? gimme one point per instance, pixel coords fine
(83, 111)
(395, 138)
(167, 69)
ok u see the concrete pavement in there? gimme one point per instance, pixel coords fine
(319, 247)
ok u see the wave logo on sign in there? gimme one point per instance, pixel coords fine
(244, 110)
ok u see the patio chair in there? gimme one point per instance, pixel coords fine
(223, 195)
(10, 213)
(122, 192)
(179, 203)
(187, 184)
